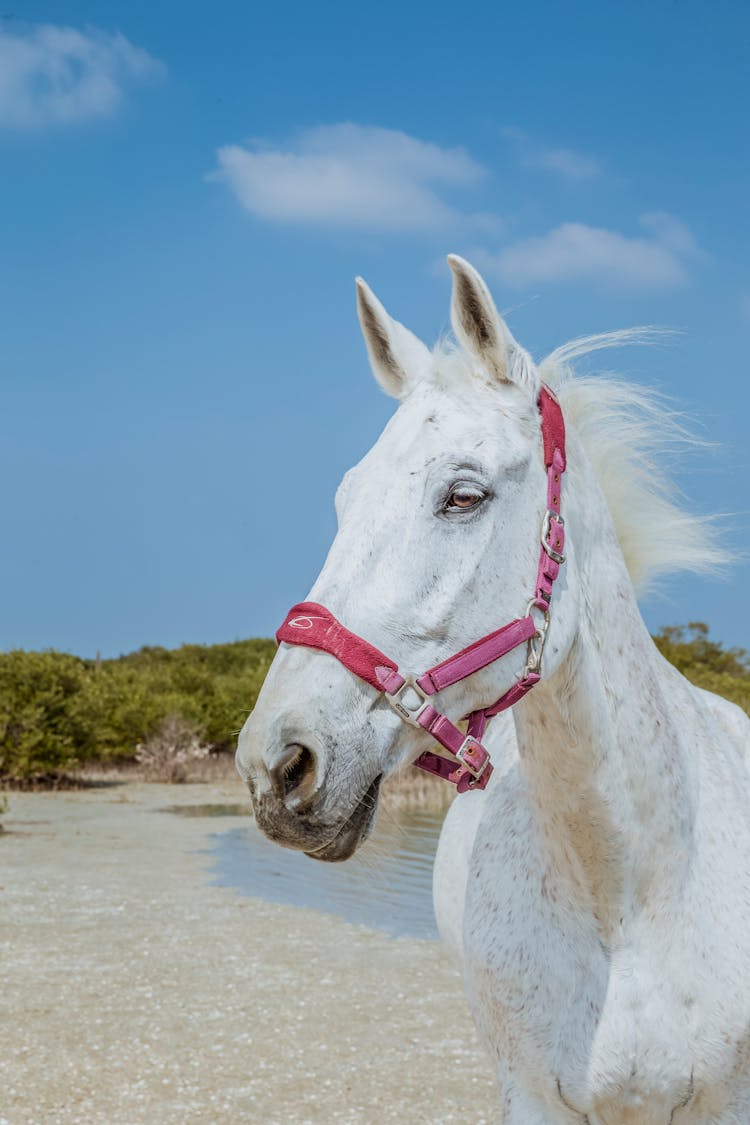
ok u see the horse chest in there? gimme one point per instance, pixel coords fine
(610, 1034)
(634, 1062)
(606, 1040)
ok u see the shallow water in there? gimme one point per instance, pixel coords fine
(386, 885)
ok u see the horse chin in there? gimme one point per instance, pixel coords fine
(355, 829)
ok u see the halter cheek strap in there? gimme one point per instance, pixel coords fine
(464, 761)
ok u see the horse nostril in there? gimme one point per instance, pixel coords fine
(293, 773)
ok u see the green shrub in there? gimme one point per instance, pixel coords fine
(58, 711)
(706, 663)
(38, 693)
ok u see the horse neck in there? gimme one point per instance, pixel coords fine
(608, 781)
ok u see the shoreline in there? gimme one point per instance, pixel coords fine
(136, 992)
(408, 788)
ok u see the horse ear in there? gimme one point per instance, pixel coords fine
(398, 359)
(481, 330)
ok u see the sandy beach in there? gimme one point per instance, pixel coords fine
(133, 991)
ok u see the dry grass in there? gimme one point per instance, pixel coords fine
(412, 788)
(408, 789)
(214, 769)
(172, 751)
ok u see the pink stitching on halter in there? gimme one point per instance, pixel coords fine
(327, 634)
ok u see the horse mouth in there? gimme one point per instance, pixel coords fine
(354, 831)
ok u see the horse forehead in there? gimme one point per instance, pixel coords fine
(421, 430)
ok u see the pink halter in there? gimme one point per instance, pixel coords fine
(467, 763)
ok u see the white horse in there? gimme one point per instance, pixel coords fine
(598, 891)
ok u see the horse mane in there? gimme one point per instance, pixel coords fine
(628, 433)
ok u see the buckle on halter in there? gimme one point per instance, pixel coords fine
(404, 707)
(473, 757)
(550, 515)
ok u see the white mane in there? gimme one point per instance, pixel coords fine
(629, 433)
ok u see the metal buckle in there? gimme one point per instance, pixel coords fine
(470, 740)
(409, 713)
(550, 515)
(535, 644)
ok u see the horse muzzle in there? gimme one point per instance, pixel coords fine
(292, 806)
(320, 837)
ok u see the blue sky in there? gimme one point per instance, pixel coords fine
(186, 194)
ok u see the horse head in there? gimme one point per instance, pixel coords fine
(438, 542)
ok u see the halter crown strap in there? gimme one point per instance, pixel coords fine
(468, 765)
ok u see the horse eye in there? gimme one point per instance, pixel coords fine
(462, 499)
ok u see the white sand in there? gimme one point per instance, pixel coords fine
(134, 992)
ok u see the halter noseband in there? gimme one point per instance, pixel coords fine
(467, 763)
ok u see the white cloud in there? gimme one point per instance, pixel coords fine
(566, 162)
(52, 75)
(352, 176)
(577, 252)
